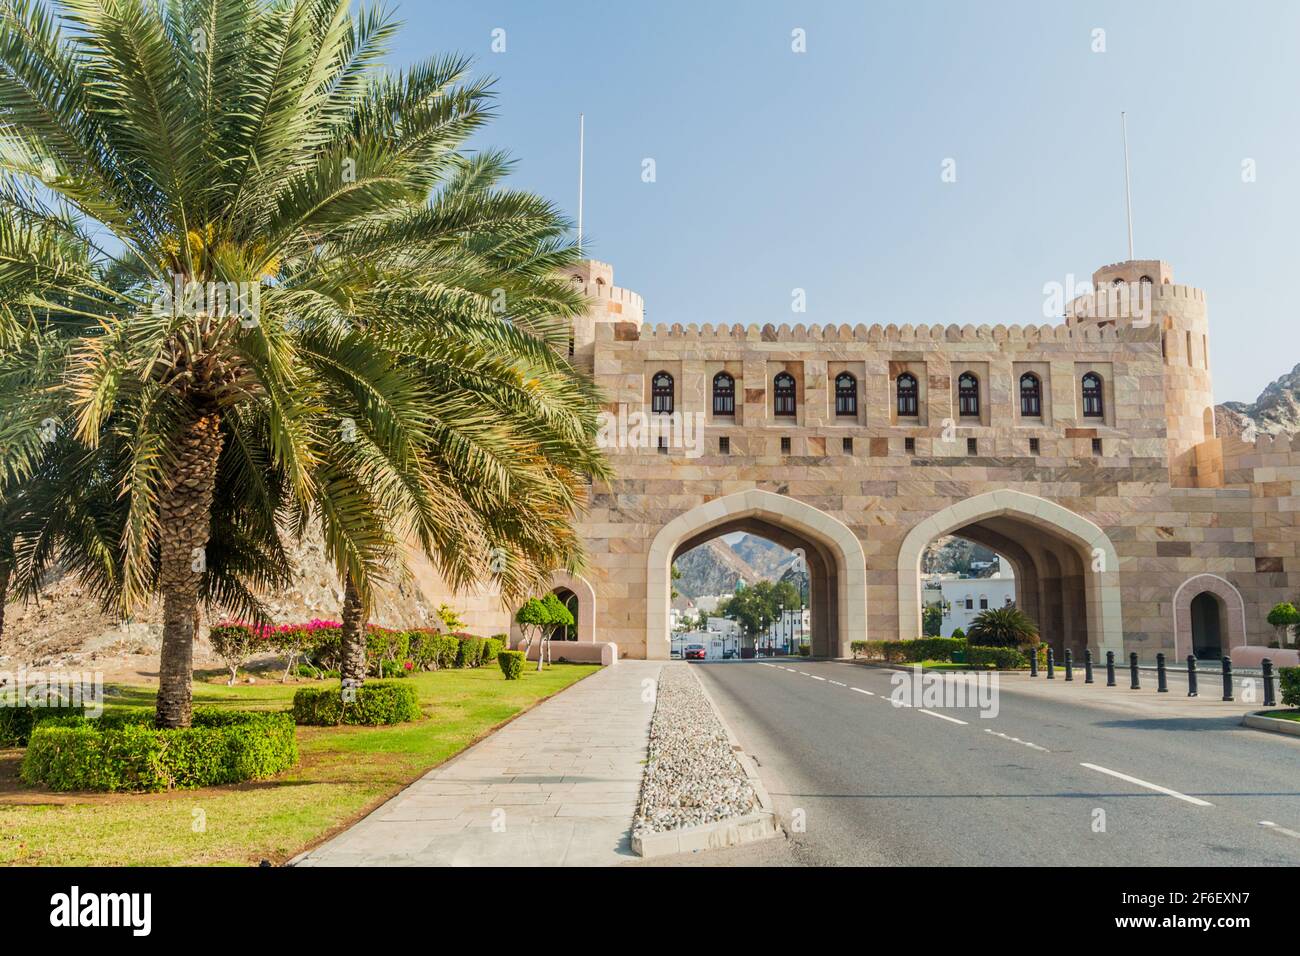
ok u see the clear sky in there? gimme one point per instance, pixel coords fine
(777, 170)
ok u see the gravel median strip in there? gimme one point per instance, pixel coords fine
(691, 776)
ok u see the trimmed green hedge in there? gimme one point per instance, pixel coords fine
(511, 664)
(123, 754)
(1290, 680)
(999, 658)
(907, 652)
(16, 723)
(376, 703)
(433, 651)
(471, 650)
(492, 647)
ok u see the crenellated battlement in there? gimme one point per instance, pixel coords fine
(923, 333)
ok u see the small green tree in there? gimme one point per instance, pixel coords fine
(932, 620)
(1002, 627)
(1283, 616)
(532, 618)
(557, 616)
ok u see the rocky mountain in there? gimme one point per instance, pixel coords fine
(712, 568)
(952, 555)
(1276, 411)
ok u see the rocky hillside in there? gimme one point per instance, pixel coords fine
(1276, 411)
(67, 628)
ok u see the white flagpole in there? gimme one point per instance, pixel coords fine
(581, 146)
(1128, 194)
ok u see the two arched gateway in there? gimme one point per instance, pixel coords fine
(1067, 570)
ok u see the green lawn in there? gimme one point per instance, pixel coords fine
(342, 773)
(1282, 714)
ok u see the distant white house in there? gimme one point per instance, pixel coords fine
(964, 598)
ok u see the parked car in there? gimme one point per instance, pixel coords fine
(694, 652)
(676, 654)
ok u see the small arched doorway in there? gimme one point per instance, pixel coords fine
(1207, 626)
(570, 601)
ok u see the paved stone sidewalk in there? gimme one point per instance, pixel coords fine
(563, 778)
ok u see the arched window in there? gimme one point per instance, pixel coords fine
(783, 394)
(1092, 407)
(907, 395)
(661, 393)
(724, 394)
(846, 395)
(1031, 396)
(968, 395)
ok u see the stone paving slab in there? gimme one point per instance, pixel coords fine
(557, 786)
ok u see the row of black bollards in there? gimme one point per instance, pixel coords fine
(1162, 677)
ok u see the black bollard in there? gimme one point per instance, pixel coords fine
(1134, 683)
(1069, 665)
(1162, 681)
(1227, 678)
(1266, 666)
(1087, 665)
(1191, 675)
(1033, 662)
(1110, 668)
(1051, 670)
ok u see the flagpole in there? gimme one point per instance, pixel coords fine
(1128, 193)
(581, 148)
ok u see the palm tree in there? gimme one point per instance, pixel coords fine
(1002, 627)
(312, 290)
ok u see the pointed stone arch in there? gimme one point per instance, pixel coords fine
(834, 555)
(1234, 612)
(1071, 546)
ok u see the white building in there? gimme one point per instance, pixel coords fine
(964, 598)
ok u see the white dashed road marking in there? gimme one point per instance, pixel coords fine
(1017, 740)
(941, 716)
(1277, 829)
(815, 677)
(837, 683)
(1150, 786)
(861, 691)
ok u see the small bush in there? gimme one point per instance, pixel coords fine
(911, 651)
(511, 664)
(492, 647)
(805, 650)
(375, 704)
(16, 723)
(471, 650)
(124, 754)
(999, 658)
(958, 632)
(1290, 678)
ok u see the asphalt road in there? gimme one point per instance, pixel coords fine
(860, 781)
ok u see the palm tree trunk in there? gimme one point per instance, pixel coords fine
(4, 596)
(184, 524)
(353, 666)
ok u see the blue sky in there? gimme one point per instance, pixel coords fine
(821, 170)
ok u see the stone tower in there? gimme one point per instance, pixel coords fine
(1142, 293)
(609, 304)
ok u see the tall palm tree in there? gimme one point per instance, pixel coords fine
(361, 316)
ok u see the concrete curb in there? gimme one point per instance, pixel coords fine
(757, 825)
(1273, 724)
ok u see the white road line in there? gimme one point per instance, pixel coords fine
(1017, 740)
(837, 683)
(942, 716)
(804, 673)
(1277, 829)
(1150, 786)
(815, 677)
(861, 691)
